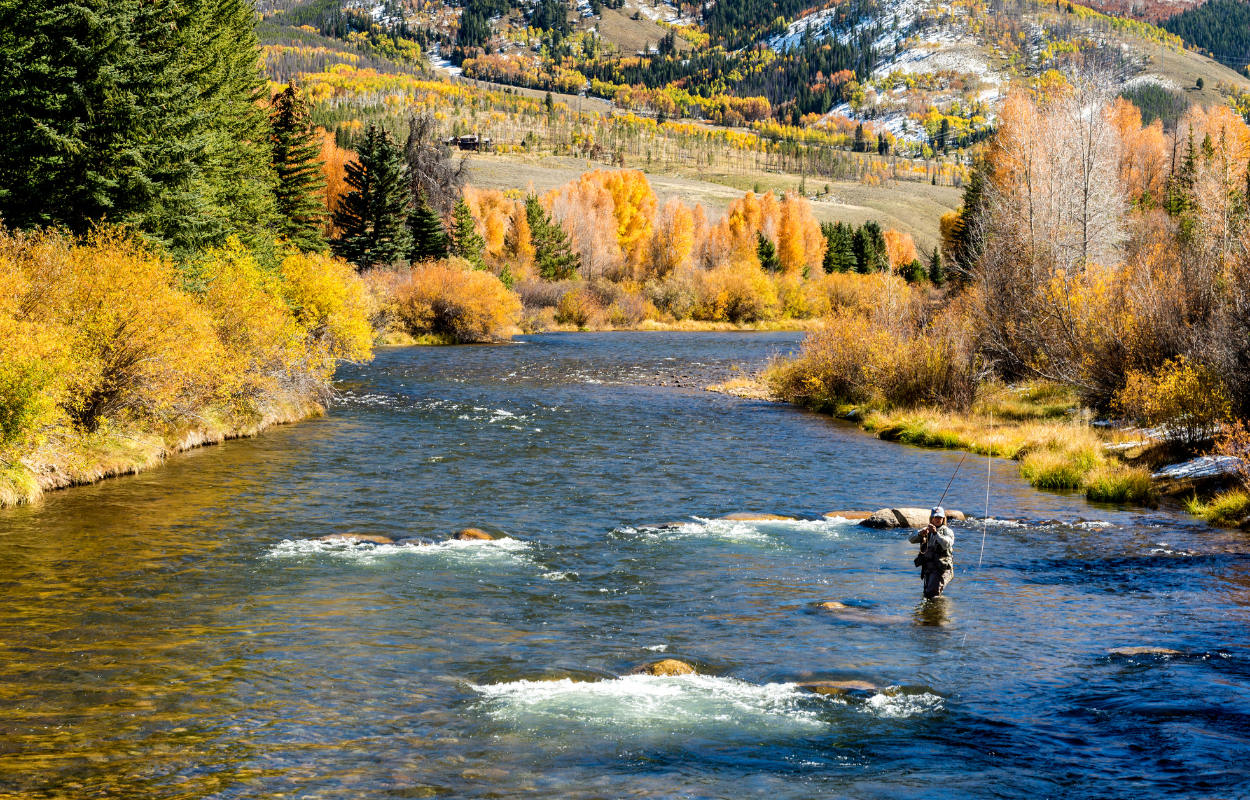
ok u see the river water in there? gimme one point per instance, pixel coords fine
(181, 634)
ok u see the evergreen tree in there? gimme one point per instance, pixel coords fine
(964, 246)
(296, 159)
(915, 271)
(143, 113)
(869, 248)
(466, 242)
(937, 275)
(839, 249)
(373, 216)
(860, 144)
(429, 239)
(553, 255)
(767, 252)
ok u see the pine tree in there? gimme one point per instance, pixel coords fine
(373, 216)
(429, 239)
(466, 242)
(937, 274)
(553, 255)
(296, 151)
(915, 271)
(143, 113)
(767, 252)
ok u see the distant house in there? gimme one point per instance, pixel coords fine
(470, 141)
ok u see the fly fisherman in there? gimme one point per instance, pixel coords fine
(937, 550)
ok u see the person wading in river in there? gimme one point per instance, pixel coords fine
(937, 553)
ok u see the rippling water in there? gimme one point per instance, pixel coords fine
(179, 634)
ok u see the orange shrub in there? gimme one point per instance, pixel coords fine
(457, 304)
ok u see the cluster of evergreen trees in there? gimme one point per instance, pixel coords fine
(863, 250)
(1221, 27)
(149, 113)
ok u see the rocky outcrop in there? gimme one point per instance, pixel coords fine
(472, 534)
(666, 667)
(357, 537)
(747, 516)
(905, 518)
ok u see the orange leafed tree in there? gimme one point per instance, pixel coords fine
(900, 248)
(334, 169)
(674, 240)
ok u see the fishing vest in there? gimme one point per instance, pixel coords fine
(939, 554)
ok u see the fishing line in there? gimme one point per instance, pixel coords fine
(989, 465)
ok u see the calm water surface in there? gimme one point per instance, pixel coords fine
(180, 634)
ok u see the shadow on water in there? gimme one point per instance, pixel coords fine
(181, 633)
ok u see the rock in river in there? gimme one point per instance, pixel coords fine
(747, 516)
(905, 518)
(665, 667)
(848, 515)
(357, 537)
(1144, 651)
(833, 688)
(473, 534)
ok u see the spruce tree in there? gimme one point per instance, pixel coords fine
(297, 162)
(373, 216)
(142, 113)
(553, 255)
(466, 242)
(937, 274)
(429, 240)
(874, 257)
(767, 252)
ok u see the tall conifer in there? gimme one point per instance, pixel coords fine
(553, 254)
(429, 240)
(297, 162)
(466, 242)
(373, 216)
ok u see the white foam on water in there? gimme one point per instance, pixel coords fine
(657, 648)
(903, 705)
(454, 551)
(559, 576)
(645, 703)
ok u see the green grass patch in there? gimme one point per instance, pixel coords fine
(1038, 401)
(17, 484)
(1121, 484)
(1058, 469)
(1227, 509)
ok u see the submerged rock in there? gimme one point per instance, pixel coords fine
(357, 537)
(747, 516)
(664, 667)
(835, 688)
(1144, 651)
(832, 605)
(663, 526)
(472, 534)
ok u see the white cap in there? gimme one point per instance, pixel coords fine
(938, 512)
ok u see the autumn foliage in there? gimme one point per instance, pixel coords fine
(112, 336)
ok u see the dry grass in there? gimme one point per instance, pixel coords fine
(1055, 454)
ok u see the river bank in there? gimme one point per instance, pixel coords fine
(1052, 439)
(75, 458)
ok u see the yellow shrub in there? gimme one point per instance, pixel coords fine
(736, 293)
(576, 307)
(467, 305)
(1185, 396)
(330, 302)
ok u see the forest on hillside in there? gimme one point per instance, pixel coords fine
(1220, 27)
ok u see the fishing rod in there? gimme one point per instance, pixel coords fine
(952, 480)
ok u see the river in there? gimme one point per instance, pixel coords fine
(181, 634)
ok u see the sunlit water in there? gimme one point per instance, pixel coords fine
(179, 634)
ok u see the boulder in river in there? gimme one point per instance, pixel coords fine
(748, 516)
(861, 515)
(472, 534)
(1144, 651)
(831, 605)
(905, 518)
(665, 667)
(357, 537)
(835, 688)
